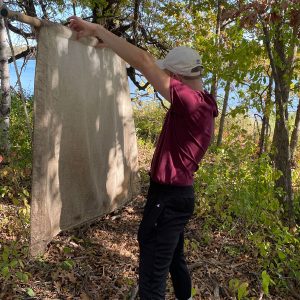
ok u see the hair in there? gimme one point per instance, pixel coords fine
(191, 77)
(194, 70)
(197, 69)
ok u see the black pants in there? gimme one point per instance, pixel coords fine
(161, 241)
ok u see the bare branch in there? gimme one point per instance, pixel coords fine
(135, 19)
(20, 31)
(44, 9)
(150, 40)
(131, 73)
(161, 100)
(25, 53)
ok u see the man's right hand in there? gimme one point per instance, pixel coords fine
(83, 28)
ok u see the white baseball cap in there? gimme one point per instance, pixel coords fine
(182, 61)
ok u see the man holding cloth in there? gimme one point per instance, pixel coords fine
(183, 141)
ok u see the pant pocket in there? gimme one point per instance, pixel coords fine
(184, 205)
(150, 222)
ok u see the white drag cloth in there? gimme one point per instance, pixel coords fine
(85, 151)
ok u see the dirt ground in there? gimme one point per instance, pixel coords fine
(100, 262)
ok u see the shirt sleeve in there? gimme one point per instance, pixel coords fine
(183, 98)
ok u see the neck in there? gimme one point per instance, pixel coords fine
(195, 84)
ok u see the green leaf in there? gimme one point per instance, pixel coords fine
(15, 201)
(68, 264)
(30, 292)
(5, 254)
(281, 255)
(22, 276)
(25, 192)
(21, 263)
(233, 284)
(266, 279)
(14, 263)
(243, 290)
(5, 271)
(67, 250)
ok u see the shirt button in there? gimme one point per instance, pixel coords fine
(158, 205)
(155, 224)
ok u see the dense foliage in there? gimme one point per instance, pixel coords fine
(236, 193)
(235, 190)
(15, 178)
(251, 57)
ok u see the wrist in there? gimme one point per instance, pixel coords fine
(96, 30)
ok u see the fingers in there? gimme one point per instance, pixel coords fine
(73, 18)
(101, 45)
(80, 34)
(74, 23)
(83, 28)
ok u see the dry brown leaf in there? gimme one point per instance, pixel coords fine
(84, 296)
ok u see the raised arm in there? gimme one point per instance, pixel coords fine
(136, 57)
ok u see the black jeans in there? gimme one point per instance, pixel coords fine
(161, 241)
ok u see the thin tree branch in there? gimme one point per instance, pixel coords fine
(131, 73)
(23, 54)
(44, 9)
(151, 40)
(29, 8)
(20, 31)
(135, 19)
(267, 41)
(161, 100)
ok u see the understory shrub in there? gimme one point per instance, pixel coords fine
(235, 186)
(15, 178)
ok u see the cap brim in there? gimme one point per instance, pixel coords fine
(161, 63)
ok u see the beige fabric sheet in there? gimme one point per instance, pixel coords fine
(84, 150)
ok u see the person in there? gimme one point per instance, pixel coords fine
(184, 139)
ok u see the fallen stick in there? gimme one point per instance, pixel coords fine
(215, 263)
(134, 292)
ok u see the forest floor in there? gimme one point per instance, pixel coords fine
(100, 261)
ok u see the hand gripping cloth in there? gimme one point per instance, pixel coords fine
(84, 149)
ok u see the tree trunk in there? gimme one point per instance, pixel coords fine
(282, 157)
(5, 100)
(283, 164)
(263, 135)
(282, 67)
(295, 133)
(281, 141)
(263, 139)
(214, 85)
(214, 82)
(224, 109)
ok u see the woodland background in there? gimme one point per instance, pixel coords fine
(243, 241)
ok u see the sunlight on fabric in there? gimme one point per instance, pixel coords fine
(84, 157)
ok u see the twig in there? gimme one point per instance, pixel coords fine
(161, 101)
(239, 264)
(134, 292)
(202, 262)
(216, 291)
(195, 265)
(261, 296)
(20, 84)
(292, 289)
(216, 263)
(222, 245)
